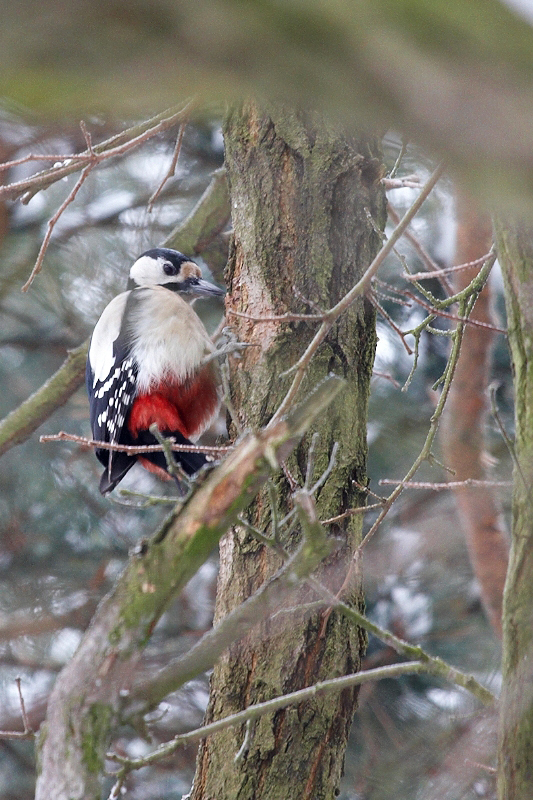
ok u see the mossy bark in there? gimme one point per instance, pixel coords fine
(306, 206)
(515, 774)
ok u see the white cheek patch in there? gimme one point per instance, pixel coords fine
(148, 271)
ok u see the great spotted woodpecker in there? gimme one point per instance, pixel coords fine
(145, 366)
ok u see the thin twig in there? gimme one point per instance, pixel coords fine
(438, 487)
(166, 444)
(245, 746)
(61, 158)
(25, 720)
(311, 460)
(327, 472)
(419, 276)
(288, 317)
(386, 376)
(133, 449)
(436, 311)
(172, 168)
(403, 150)
(54, 219)
(28, 732)
(390, 294)
(434, 665)
(400, 183)
(268, 707)
(419, 248)
(377, 305)
(350, 512)
(466, 301)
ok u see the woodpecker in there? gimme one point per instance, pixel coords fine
(145, 366)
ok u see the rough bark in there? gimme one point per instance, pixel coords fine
(515, 247)
(303, 199)
(463, 428)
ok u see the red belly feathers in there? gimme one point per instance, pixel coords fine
(186, 407)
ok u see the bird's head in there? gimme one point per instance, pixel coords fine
(163, 267)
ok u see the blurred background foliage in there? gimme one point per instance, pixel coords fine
(62, 544)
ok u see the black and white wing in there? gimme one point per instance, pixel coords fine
(111, 377)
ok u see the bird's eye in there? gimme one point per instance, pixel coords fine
(170, 269)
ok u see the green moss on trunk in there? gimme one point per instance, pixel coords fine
(515, 775)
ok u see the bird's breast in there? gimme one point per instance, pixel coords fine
(187, 407)
(168, 339)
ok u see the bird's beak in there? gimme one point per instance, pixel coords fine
(203, 288)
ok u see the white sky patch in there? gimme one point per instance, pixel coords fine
(137, 748)
(406, 545)
(217, 140)
(373, 430)
(25, 214)
(64, 644)
(200, 696)
(446, 699)
(415, 609)
(32, 688)
(152, 167)
(110, 203)
(522, 7)
(390, 352)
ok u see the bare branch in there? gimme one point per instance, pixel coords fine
(269, 706)
(25, 720)
(439, 487)
(350, 512)
(399, 159)
(438, 312)
(134, 450)
(232, 627)
(419, 276)
(288, 317)
(466, 299)
(412, 182)
(53, 221)
(386, 376)
(426, 259)
(115, 146)
(172, 167)
(434, 665)
(28, 732)
(377, 305)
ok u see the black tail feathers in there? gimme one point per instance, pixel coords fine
(121, 462)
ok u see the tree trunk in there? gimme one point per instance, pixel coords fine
(464, 420)
(515, 248)
(306, 205)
